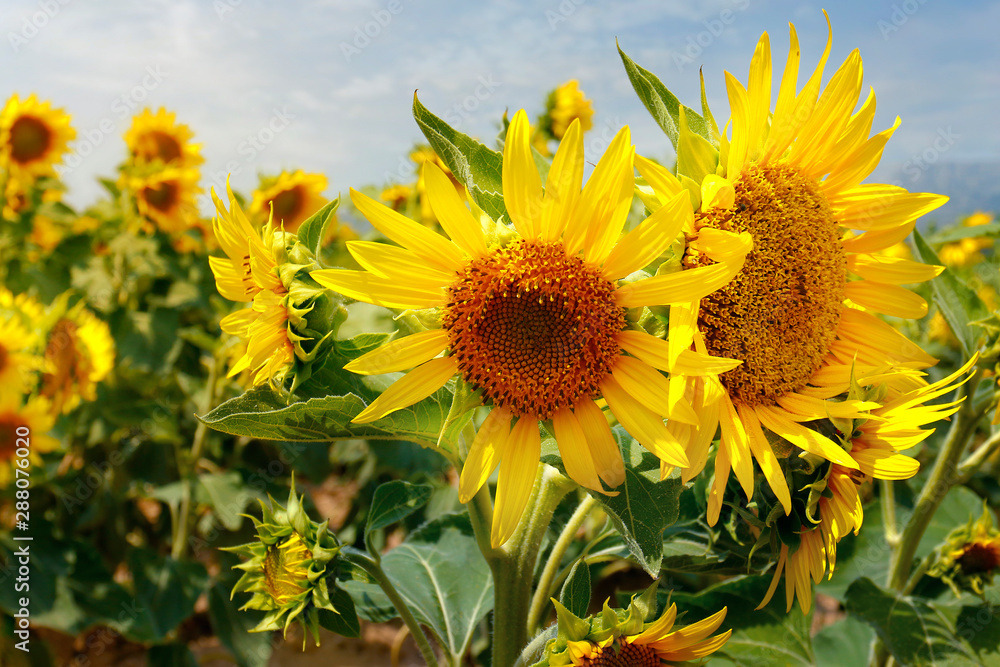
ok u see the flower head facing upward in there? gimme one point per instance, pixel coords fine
(33, 136)
(631, 637)
(533, 317)
(801, 313)
(291, 570)
(288, 199)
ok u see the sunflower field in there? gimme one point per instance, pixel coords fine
(734, 406)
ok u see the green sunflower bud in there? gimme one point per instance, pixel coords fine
(290, 570)
(969, 557)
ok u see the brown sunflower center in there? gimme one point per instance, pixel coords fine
(286, 206)
(4, 357)
(157, 144)
(980, 557)
(30, 139)
(780, 314)
(285, 573)
(162, 196)
(63, 358)
(533, 329)
(630, 655)
(9, 423)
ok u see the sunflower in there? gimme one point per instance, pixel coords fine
(968, 251)
(623, 638)
(969, 557)
(37, 417)
(17, 358)
(534, 317)
(166, 198)
(875, 443)
(802, 310)
(289, 199)
(566, 104)
(79, 353)
(159, 139)
(33, 136)
(249, 273)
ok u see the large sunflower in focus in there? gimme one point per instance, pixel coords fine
(159, 138)
(534, 317)
(803, 309)
(33, 136)
(289, 199)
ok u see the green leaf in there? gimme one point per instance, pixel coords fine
(958, 233)
(171, 655)
(313, 230)
(915, 631)
(472, 163)
(165, 588)
(644, 506)
(232, 627)
(766, 637)
(228, 496)
(662, 104)
(344, 621)
(442, 576)
(394, 501)
(575, 594)
(846, 642)
(957, 302)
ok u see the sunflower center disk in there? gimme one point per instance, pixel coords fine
(533, 329)
(780, 313)
(30, 138)
(978, 557)
(162, 197)
(630, 655)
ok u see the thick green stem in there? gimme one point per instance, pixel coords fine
(887, 495)
(370, 566)
(514, 567)
(943, 476)
(545, 588)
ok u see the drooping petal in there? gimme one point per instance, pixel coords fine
(485, 453)
(575, 451)
(804, 438)
(643, 424)
(415, 386)
(518, 469)
(607, 455)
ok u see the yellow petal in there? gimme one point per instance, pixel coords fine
(721, 245)
(574, 450)
(456, 220)
(865, 330)
(856, 166)
(643, 424)
(758, 97)
(401, 354)
(236, 323)
(880, 240)
(737, 443)
(517, 476)
(876, 207)
(386, 292)
(652, 390)
(891, 270)
(429, 245)
(649, 239)
(768, 462)
(780, 135)
(485, 453)
(562, 186)
(884, 464)
(739, 106)
(677, 287)
(607, 455)
(415, 386)
(775, 420)
(607, 198)
(399, 264)
(774, 578)
(886, 299)
(522, 186)
(664, 183)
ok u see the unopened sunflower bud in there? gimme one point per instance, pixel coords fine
(969, 557)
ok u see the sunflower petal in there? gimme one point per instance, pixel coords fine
(886, 299)
(575, 450)
(364, 286)
(891, 270)
(456, 220)
(677, 287)
(643, 424)
(777, 422)
(607, 455)
(401, 354)
(415, 386)
(517, 477)
(562, 186)
(650, 238)
(485, 453)
(522, 185)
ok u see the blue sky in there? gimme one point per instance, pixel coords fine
(327, 85)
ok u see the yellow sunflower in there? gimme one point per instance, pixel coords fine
(79, 353)
(289, 199)
(33, 136)
(166, 199)
(248, 273)
(970, 556)
(32, 420)
(534, 316)
(18, 360)
(875, 444)
(159, 139)
(968, 251)
(566, 104)
(802, 310)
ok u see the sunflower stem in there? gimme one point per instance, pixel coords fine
(369, 565)
(545, 588)
(887, 494)
(514, 567)
(975, 460)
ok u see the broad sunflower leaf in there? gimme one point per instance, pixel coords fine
(915, 631)
(846, 642)
(394, 501)
(575, 594)
(442, 576)
(165, 588)
(476, 165)
(313, 230)
(958, 303)
(766, 637)
(662, 104)
(644, 506)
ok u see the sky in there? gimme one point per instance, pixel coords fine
(327, 85)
